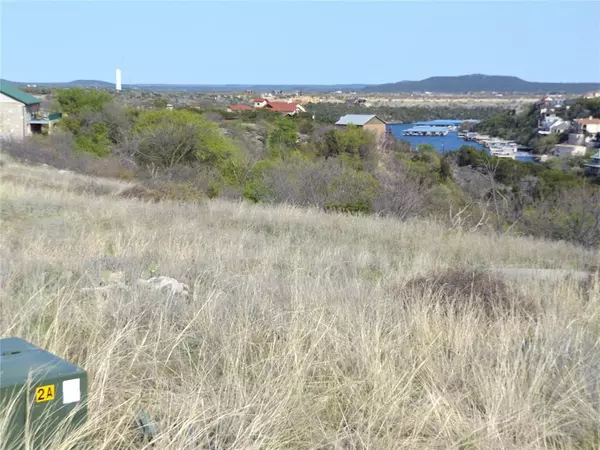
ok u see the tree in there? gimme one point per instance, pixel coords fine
(283, 135)
(159, 103)
(168, 138)
(571, 214)
(546, 143)
(351, 140)
(75, 101)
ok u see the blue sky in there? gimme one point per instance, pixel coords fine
(298, 42)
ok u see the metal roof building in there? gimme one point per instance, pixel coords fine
(438, 123)
(18, 95)
(356, 119)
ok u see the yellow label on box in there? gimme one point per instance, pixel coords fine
(45, 393)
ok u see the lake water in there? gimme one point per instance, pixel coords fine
(443, 143)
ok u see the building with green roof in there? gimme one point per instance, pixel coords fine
(593, 166)
(18, 95)
(19, 112)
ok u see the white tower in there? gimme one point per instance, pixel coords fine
(118, 80)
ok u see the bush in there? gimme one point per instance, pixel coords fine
(283, 135)
(76, 101)
(570, 215)
(350, 141)
(328, 184)
(170, 138)
(57, 150)
(97, 127)
(166, 191)
(398, 193)
(462, 290)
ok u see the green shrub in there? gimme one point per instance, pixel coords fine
(169, 138)
(184, 192)
(75, 101)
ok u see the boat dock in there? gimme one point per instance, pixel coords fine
(423, 130)
(501, 148)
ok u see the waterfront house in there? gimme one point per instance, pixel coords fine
(560, 126)
(369, 122)
(589, 126)
(553, 124)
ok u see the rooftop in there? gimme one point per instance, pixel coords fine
(239, 107)
(588, 121)
(282, 106)
(425, 129)
(440, 123)
(17, 94)
(356, 119)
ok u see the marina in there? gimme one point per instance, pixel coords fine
(444, 136)
(500, 148)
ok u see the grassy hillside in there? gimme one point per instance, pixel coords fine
(302, 329)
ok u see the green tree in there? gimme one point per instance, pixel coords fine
(76, 100)
(546, 143)
(283, 135)
(159, 103)
(168, 138)
(350, 140)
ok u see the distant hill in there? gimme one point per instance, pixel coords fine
(68, 84)
(481, 83)
(460, 84)
(196, 87)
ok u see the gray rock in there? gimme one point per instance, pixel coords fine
(165, 284)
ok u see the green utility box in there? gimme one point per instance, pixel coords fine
(42, 397)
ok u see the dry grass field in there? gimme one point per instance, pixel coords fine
(302, 330)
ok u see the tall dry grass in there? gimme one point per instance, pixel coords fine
(302, 330)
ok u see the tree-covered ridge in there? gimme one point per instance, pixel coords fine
(331, 112)
(479, 83)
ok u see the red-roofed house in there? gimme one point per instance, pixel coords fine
(591, 125)
(260, 102)
(285, 108)
(233, 108)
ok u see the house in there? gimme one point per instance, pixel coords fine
(593, 167)
(357, 101)
(18, 112)
(545, 123)
(235, 108)
(368, 122)
(589, 126)
(289, 109)
(260, 102)
(560, 126)
(564, 150)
